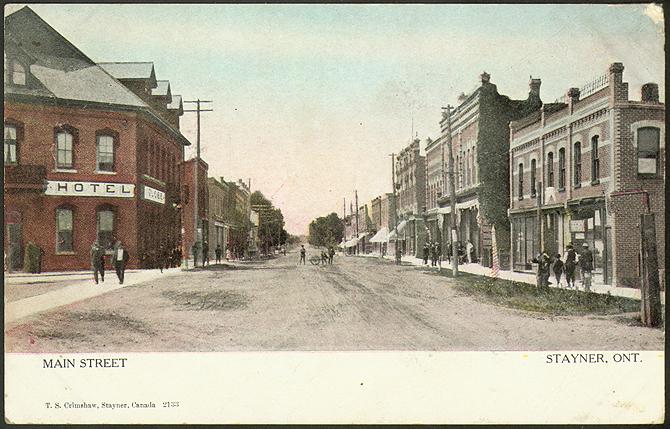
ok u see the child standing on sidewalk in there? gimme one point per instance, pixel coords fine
(558, 269)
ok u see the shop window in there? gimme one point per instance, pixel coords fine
(11, 144)
(595, 161)
(561, 169)
(533, 184)
(648, 140)
(106, 223)
(64, 229)
(105, 152)
(521, 181)
(65, 139)
(577, 164)
(550, 169)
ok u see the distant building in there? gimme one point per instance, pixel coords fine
(219, 224)
(410, 179)
(191, 233)
(86, 157)
(581, 171)
(435, 174)
(479, 133)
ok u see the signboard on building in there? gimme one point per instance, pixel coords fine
(151, 194)
(577, 226)
(90, 189)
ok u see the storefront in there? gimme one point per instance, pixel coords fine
(589, 223)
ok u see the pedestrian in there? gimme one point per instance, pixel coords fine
(98, 261)
(433, 254)
(558, 269)
(205, 253)
(160, 256)
(398, 254)
(469, 248)
(120, 260)
(426, 251)
(569, 265)
(460, 252)
(542, 261)
(194, 250)
(218, 252)
(586, 266)
(303, 254)
(331, 254)
(438, 253)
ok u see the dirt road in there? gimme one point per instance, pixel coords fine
(355, 304)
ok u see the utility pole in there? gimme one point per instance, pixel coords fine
(197, 110)
(356, 195)
(395, 204)
(452, 196)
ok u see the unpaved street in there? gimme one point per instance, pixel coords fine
(356, 304)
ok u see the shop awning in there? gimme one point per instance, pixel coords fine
(381, 236)
(467, 204)
(402, 226)
(351, 243)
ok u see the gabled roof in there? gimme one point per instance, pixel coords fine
(176, 104)
(132, 71)
(162, 89)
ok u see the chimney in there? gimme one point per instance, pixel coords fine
(485, 77)
(573, 97)
(618, 88)
(534, 86)
(649, 93)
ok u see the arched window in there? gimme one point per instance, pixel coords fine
(105, 150)
(577, 153)
(561, 169)
(550, 169)
(18, 73)
(12, 132)
(64, 229)
(533, 190)
(521, 181)
(65, 140)
(106, 226)
(648, 146)
(595, 161)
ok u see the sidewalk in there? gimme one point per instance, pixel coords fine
(529, 278)
(78, 291)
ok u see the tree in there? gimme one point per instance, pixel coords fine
(271, 221)
(326, 231)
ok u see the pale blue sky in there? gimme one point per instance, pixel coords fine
(310, 99)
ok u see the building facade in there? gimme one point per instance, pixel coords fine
(219, 225)
(583, 170)
(86, 159)
(410, 180)
(478, 130)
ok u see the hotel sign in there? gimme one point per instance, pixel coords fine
(90, 189)
(151, 194)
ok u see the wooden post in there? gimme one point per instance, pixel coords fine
(651, 314)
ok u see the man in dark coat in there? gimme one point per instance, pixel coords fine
(331, 254)
(570, 265)
(303, 254)
(205, 253)
(426, 251)
(98, 261)
(218, 252)
(586, 266)
(120, 260)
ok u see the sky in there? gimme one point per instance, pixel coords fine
(310, 100)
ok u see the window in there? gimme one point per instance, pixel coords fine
(105, 227)
(105, 153)
(521, 181)
(648, 139)
(533, 190)
(11, 145)
(64, 227)
(578, 165)
(550, 169)
(595, 162)
(64, 149)
(561, 169)
(18, 73)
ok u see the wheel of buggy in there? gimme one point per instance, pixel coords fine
(315, 260)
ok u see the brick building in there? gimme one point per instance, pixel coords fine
(436, 160)
(479, 131)
(220, 219)
(86, 158)
(410, 179)
(381, 217)
(582, 169)
(190, 230)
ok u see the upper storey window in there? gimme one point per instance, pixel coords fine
(648, 142)
(15, 71)
(65, 142)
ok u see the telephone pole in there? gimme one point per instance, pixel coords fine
(356, 195)
(452, 196)
(197, 231)
(395, 204)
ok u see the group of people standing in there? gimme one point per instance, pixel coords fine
(547, 264)
(432, 250)
(119, 259)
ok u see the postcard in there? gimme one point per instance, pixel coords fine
(362, 213)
